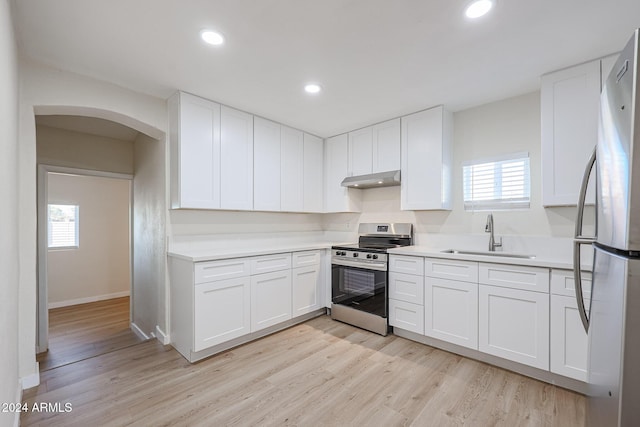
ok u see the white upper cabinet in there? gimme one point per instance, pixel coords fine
(375, 148)
(336, 165)
(386, 146)
(570, 103)
(313, 173)
(426, 160)
(236, 165)
(266, 165)
(195, 152)
(291, 158)
(360, 151)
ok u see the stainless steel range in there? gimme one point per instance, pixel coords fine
(359, 275)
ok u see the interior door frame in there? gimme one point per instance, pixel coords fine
(42, 309)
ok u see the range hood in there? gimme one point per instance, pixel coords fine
(373, 180)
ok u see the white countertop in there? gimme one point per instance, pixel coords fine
(200, 255)
(538, 261)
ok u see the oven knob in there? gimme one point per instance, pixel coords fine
(368, 256)
(355, 255)
(375, 257)
(337, 252)
(343, 253)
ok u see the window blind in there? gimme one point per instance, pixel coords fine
(500, 183)
(62, 226)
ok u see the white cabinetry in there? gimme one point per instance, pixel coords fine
(236, 152)
(513, 321)
(313, 173)
(221, 311)
(406, 293)
(375, 148)
(194, 134)
(307, 287)
(426, 160)
(266, 165)
(291, 184)
(270, 299)
(570, 103)
(568, 337)
(338, 198)
(451, 301)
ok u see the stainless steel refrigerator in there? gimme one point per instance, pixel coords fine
(613, 318)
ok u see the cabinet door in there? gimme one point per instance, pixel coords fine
(306, 289)
(360, 151)
(266, 165)
(406, 287)
(425, 152)
(291, 186)
(514, 324)
(313, 169)
(386, 146)
(568, 339)
(195, 152)
(270, 299)
(451, 311)
(236, 165)
(338, 198)
(406, 315)
(570, 102)
(221, 312)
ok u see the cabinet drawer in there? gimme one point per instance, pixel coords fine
(466, 271)
(514, 276)
(407, 316)
(406, 264)
(406, 287)
(303, 259)
(563, 283)
(223, 269)
(268, 263)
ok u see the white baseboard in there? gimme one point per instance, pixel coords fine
(32, 380)
(162, 337)
(139, 332)
(88, 299)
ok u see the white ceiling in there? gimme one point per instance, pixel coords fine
(376, 59)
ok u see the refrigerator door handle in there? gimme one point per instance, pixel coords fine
(580, 240)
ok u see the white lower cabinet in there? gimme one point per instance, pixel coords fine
(514, 324)
(406, 315)
(568, 339)
(221, 311)
(406, 287)
(306, 289)
(270, 299)
(451, 311)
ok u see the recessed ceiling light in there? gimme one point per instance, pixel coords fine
(478, 8)
(312, 88)
(212, 37)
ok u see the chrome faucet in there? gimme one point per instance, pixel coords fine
(489, 229)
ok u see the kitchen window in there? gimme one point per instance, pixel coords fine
(62, 226)
(498, 183)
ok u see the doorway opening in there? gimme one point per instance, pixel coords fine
(87, 217)
(101, 289)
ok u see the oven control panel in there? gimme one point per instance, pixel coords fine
(377, 261)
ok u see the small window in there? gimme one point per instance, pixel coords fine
(500, 183)
(63, 226)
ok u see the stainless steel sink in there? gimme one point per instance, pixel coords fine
(488, 253)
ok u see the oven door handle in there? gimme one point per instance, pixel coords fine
(369, 265)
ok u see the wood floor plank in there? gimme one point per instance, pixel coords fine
(321, 372)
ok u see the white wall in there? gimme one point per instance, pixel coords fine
(99, 268)
(9, 247)
(508, 126)
(45, 91)
(149, 256)
(61, 147)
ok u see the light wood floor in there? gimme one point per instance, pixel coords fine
(81, 331)
(318, 373)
